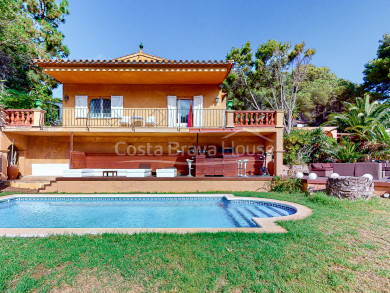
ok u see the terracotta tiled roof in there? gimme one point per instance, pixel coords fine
(139, 61)
(116, 62)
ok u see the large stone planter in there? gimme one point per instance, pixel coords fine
(350, 187)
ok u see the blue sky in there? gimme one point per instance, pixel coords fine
(345, 33)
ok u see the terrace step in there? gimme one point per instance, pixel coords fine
(28, 182)
(48, 187)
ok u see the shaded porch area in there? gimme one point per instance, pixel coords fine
(224, 154)
(212, 153)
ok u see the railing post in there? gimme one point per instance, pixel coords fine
(3, 118)
(272, 120)
(87, 120)
(16, 117)
(230, 118)
(279, 118)
(38, 117)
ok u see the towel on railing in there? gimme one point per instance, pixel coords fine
(189, 123)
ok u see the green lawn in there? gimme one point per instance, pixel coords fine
(343, 246)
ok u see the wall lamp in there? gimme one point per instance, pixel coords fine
(217, 98)
(66, 98)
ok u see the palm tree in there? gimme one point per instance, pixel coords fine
(368, 121)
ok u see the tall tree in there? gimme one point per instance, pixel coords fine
(28, 30)
(241, 84)
(271, 80)
(377, 71)
(282, 68)
(322, 93)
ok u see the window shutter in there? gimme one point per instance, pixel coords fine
(117, 106)
(172, 111)
(81, 109)
(198, 111)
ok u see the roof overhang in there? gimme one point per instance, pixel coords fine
(137, 72)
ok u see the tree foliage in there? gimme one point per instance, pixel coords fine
(242, 84)
(377, 71)
(347, 151)
(323, 93)
(367, 122)
(272, 79)
(279, 76)
(365, 119)
(29, 29)
(282, 68)
(304, 146)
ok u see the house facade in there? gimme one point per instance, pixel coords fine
(141, 110)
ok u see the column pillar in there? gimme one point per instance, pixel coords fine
(71, 151)
(3, 164)
(22, 162)
(278, 152)
(229, 119)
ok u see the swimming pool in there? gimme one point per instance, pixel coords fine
(136, 212)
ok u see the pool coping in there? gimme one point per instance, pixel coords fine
(266, 225)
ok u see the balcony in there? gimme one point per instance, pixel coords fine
(136, 118)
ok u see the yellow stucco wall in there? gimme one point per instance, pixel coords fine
(35, 150)
(47, 150)
(145, 96)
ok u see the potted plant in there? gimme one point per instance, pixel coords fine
(12, 169)
(229, 104)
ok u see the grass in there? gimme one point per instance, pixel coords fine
(343, 246)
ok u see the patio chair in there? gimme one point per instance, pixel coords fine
(125, 121)
(137, 123)
(151, 121)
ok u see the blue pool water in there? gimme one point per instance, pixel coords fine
(135, 212)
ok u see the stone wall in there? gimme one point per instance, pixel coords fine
(291, 170)
(350, 187)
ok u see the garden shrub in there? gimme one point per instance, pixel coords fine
(306, 146)
(287, 185)
(347, 151)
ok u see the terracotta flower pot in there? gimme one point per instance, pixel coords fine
(13, 172)
(271, 168)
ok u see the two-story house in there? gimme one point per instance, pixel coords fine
(142, 112)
